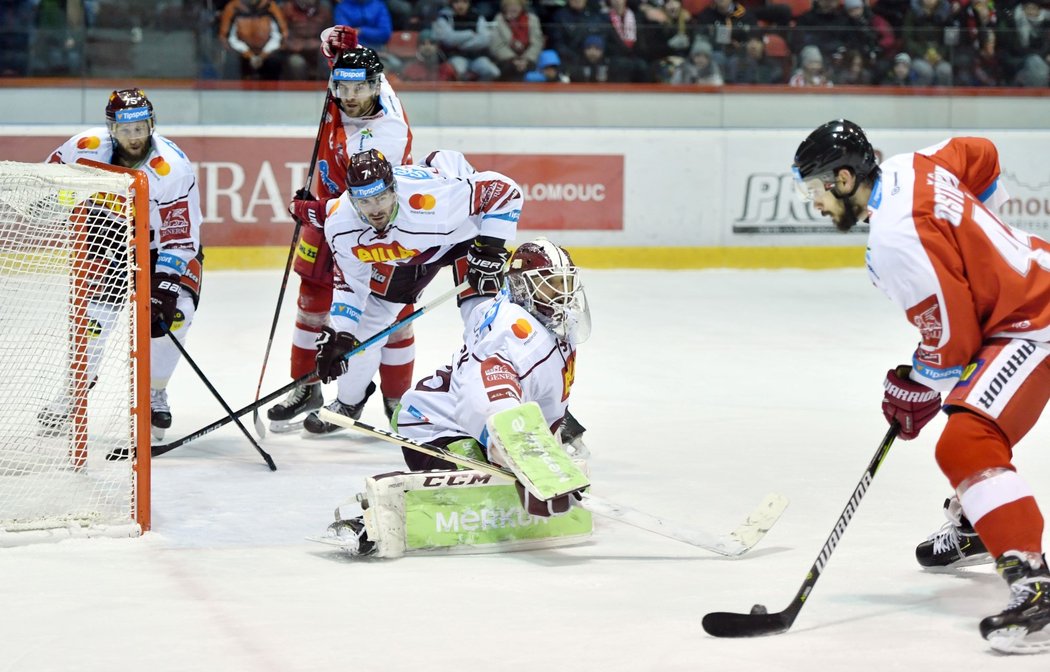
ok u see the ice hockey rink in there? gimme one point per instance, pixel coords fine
(701, 391)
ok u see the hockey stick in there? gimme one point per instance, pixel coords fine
(260, 428)
(222, 402)
(418, 312)
(759, 622)
(737, 542)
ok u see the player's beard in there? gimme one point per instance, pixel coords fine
(850, 215)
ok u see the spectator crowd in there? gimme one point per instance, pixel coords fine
(799, 43)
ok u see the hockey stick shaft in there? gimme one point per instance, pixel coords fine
(259, 427)
(222, 402)
(727, 624)
(722, 545)
(221, 422)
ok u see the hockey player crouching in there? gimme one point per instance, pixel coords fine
(520, 347)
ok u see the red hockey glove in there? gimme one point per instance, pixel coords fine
(162, 302)
(909, 403)
(332, 347)
(546, 508)
(485, 260)
(336, 40)
(311, 212)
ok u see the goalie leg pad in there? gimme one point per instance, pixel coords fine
(463, 511)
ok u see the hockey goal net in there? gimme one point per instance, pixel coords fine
(74, 351)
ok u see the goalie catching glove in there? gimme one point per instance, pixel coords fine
(163, 300)
(332, 348)
(485, 261)
(908, 403)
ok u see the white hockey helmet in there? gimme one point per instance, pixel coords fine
(542, 279)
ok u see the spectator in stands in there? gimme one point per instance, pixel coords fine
(16, 34)
(824, 26)
(625, 42)
(1026, 44)
(57, 47)
(700, 68)
(923, 34)
(811, 69)
(253, 32)
(986, 69)
(669, 28)
(900, 73)
(517, 40)
(302, 57)
(594, 66)
(572, 24)
(464, 36)
(861, 32)
(429, 63)
(975, 20)
(753, 65)
(726, 24)
(548, 69)
(851, 69)
(374, 26)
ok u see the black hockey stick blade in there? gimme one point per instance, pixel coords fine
(728, 624)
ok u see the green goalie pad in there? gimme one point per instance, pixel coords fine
(467, 511)
(520, 440)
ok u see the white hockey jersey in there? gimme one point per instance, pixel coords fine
(436, 210)
(174, 200)
(508, 358)
(938, 250)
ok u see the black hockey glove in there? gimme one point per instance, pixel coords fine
(331, 353)
(164, 296)
(485, 261)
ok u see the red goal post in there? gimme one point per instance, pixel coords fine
(74, 349)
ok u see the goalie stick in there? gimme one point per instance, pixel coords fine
(759, 622)
(735, 543)
(223, 421)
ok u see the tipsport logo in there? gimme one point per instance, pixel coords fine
(349, 75)
(422, 202)
(134, 114)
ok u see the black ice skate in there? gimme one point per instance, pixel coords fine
(955, 545)
(570, 433)
(160, 413)
(1024, 626)
(302, 399)
(315, 425)
(352, 536)
(53, 421)
(390, 405)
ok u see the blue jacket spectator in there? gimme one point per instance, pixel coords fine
(370, 17)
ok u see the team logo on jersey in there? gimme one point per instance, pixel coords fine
(381, 253)
(90, 142)
(323, 170)
(422, 201)
(158, 164)
(568, 376)
(175, 222)
(521, 328)
(926, 315)
(500, 379)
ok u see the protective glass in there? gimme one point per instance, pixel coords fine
(813, 188)
(354, 89)
(134, 130)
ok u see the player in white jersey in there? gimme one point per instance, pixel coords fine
(176, 257)
(363, 112)
(391, 231)
(519, 347)
(978, 291)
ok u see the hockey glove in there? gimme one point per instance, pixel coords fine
(313, 213)
(164, 296)
(331, 353)
(485, 261)
(336, 40)
(545, 508)
(908, 403)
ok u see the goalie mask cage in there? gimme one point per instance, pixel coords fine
(74, 351)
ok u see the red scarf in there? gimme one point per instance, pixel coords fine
(625, 27)
(519, 31)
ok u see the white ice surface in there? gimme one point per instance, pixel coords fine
(701, 392)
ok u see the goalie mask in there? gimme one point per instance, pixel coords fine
(354, 83)
(542, 279)
(130, 120)
(372, 189)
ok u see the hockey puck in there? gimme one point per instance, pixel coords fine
(759, 609)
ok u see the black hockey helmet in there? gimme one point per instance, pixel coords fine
(369, 174)
(542, 279)
(834, 145)
(356, 65)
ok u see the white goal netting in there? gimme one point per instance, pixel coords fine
(70, 352)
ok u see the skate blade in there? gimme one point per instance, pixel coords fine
(971, 561)
(1018, 641)
(286, 426)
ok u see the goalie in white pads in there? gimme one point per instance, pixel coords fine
(519, 347)
(176, 257)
